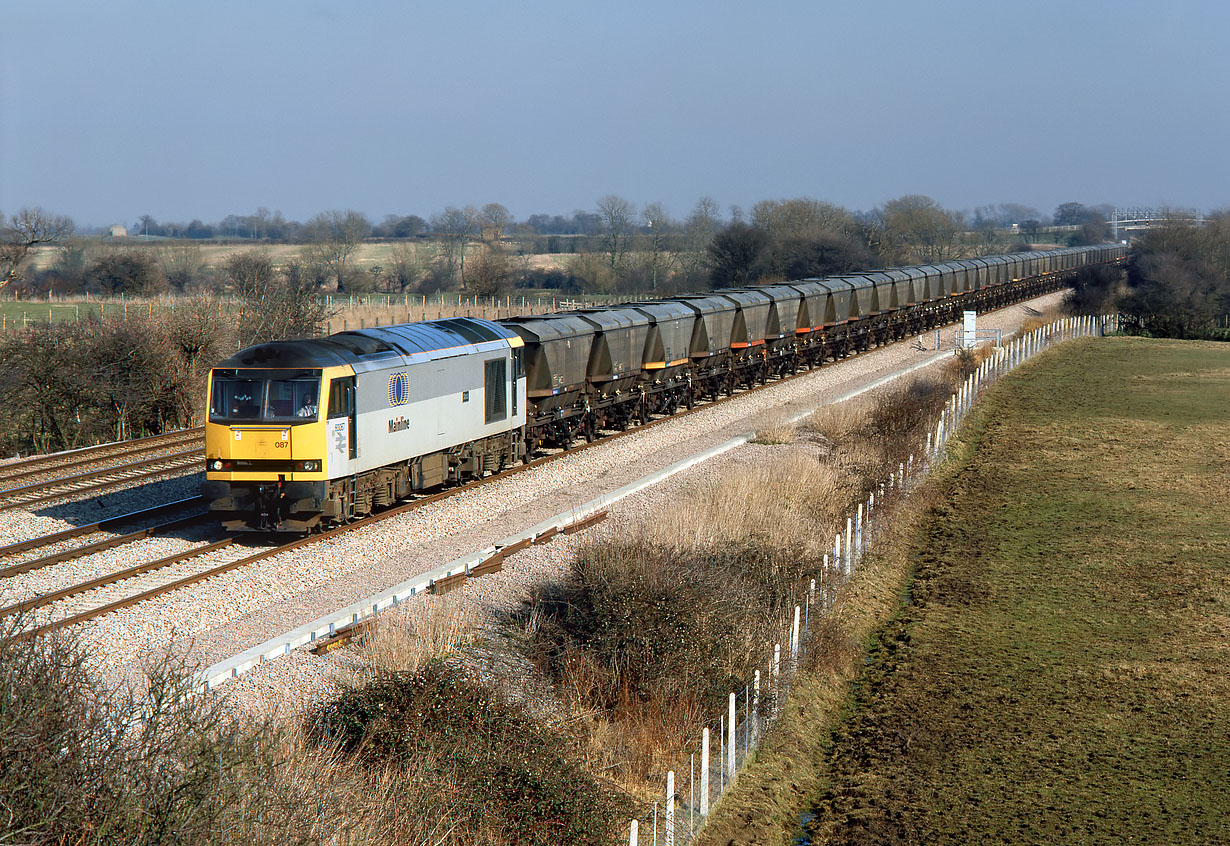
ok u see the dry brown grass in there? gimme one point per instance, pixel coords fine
(778, 504)
(1040, 319)
(776, 430)
(334, 798)
(406, 638)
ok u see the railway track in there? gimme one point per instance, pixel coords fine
(93, 481)
(110, 524)
(103, 545)
(48, 464)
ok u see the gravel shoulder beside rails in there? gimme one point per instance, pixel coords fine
(222, 617)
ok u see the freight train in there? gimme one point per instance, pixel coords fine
(305, 434)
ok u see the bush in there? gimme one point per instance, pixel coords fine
(134, 273)
(550, 279)
(72, 384)
(84, 765)
(1178, 281)
(502, 773)
(635, 624)
(822, 254)
(1092, 290)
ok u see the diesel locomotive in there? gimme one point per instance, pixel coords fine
(310, 433)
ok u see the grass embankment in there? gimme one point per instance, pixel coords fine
(1061, 671)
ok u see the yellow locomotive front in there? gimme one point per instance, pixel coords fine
(265, 446)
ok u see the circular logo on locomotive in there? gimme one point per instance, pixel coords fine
(399, 389)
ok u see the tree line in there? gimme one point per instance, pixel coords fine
(614, 248)
(1177, 282)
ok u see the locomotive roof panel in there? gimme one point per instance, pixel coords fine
(289, 354)
(367, 349)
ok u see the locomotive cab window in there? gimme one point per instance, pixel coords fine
(265, 396)
(496, 390)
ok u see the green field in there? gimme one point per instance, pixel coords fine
(15, 313)
(1063, 672)
(1057, 667)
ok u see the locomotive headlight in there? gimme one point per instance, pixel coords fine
(309, 465)
(216, 464)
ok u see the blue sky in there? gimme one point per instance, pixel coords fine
(112, 110)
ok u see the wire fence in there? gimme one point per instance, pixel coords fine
(349, 311)
(710, 767)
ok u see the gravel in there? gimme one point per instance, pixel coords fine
(217, 619)
(20, 524)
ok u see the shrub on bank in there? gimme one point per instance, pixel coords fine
(500, 773)
(81, 764)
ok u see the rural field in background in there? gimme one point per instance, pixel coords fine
(349, 311)
(1056, 668)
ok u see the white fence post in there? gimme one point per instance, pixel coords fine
(704, 772)
(731, 743)
(775, 677)
(794, 638)
(670, 808)
(755, 715)
(858, 533)
(849, 545)
(632, 833)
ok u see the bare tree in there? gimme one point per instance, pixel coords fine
(734, 252)
(802, 217)
(698, 231)
(334, 237)
(494, 219)
(456, 226)
(616, 214)
(126, 272)
(490, 271)
(26, 230)
(249, 273)
(275, 305)
(409, 265)
(660, 226)
(180, 264)
(921, 229)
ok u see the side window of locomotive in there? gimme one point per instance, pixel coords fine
(340, 402)
(496, 385)
(518, 372)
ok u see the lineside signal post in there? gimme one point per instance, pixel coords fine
(966, 336)
(969, 335)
